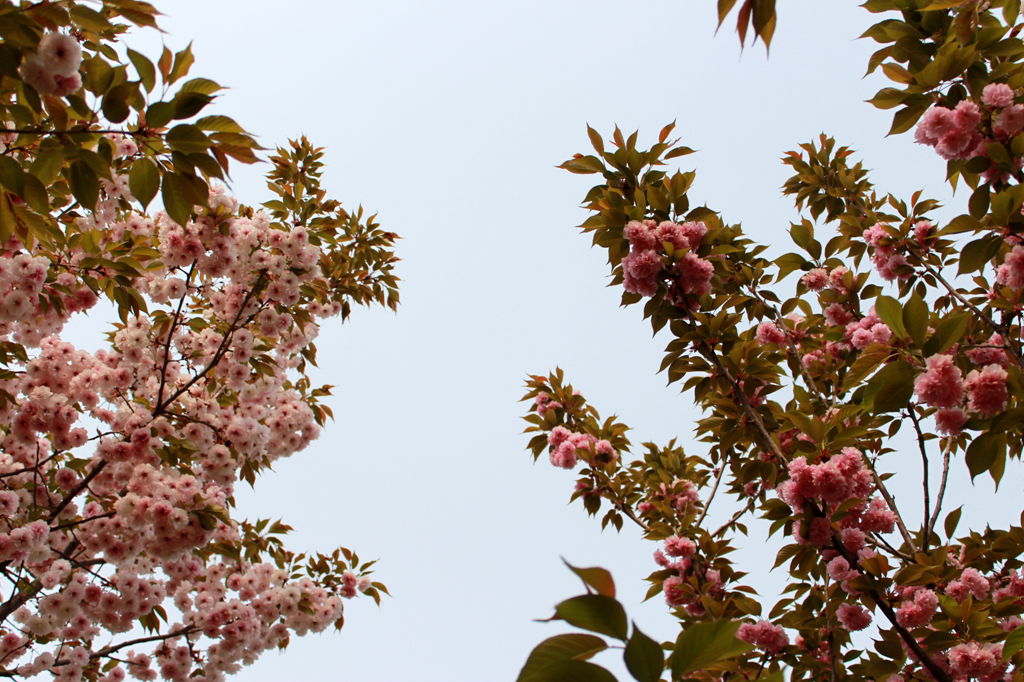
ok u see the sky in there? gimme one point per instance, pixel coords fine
(448, 118)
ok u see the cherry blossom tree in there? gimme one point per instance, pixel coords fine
(120, 550)
(886, 330)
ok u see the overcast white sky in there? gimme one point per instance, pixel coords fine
(448, 118)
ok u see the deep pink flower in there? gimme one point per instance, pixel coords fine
(764, 635)
(941, 384)
(853, 617)
(816, 279)
(769, 333)
(986, 390)
(694, 274)
(950, 420)
(1011, 272)
(976, 660)
(918, 610)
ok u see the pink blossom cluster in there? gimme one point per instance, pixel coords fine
(817, 279)
(1011, 272)
(888, 261)
(976, 661)
(769, 333)
(543, 403)
(53, 68)
(868, 330)
(647, 262)
(841, 478)
(684, 588)
(970, 583)
(853, 617)
(964, 131)
(917, 608)
(680, 495)
(566, 447)
(952, 132)
(991, 352)
(188, 394)
(1011, 588)
(942, 385)
(764, 635)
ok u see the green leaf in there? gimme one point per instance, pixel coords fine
(891, 312)
(595, 577)
(145, 69)
(706, 643)
(596, 613)
(984, 451)
(906, 117)
(559, 649)
(941, 4)
(952, 519)
(85, 186)
(204, 86)
(115, 102)
(644, 657)
(962, 223)
(159, 114)
(220, 124)
(978, 204)
(584, 165)
(948, 331)
(1014, 642)
(144, 181)
(865, 364)
(890, 389)
(35, 194)
(915, 318)
(173, 192)
(571, 671)
(188, 104)
(48, 161)
(888, 98)
(187, 139)
(183, 61)
(976, 254)
(11, 175)
(1011, 11)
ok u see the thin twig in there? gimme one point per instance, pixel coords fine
(924, 476)
(942, 488)
(707, 505)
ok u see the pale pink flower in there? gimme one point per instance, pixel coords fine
(1010, 121)
(60, 54)
(999, 95)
